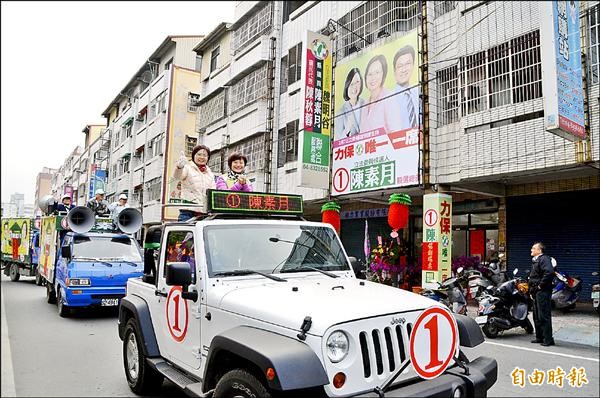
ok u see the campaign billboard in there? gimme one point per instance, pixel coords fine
(377, 118)
(562, 77)
(315, 138)
(97, 180)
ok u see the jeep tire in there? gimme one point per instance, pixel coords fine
(14, 272)
(140, 376)
(240, 383)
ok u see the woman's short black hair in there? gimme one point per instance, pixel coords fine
(197, 148)
(383, 63)
(349, 78)
(236, 156)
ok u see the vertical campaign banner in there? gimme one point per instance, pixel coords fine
(377, 118)
(437, 239)
(97, 180)
(314, 140)
(562, 77)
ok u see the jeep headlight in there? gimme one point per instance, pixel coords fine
(337, 346)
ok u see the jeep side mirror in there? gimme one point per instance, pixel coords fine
(355, 267)
(65, 251)
(178, 274)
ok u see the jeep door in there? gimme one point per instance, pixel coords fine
(176, 320)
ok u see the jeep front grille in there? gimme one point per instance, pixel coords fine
(383, 350)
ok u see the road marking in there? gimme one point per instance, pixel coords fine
(8, 376)
(542, 351)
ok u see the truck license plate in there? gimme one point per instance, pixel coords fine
(481, 320)
(595, 295)
(110, 302)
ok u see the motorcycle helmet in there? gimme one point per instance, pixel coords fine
(523, 287)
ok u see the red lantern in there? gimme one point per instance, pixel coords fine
(398, 216)
(331, 214)
(398, 212)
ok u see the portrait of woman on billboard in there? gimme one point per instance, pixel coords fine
(348, 122)
(378, 112)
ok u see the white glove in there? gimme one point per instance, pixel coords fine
(181, 161)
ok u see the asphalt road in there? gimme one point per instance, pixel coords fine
(81, 355)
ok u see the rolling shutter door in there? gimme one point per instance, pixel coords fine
(567, 223)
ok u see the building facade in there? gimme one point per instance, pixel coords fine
(43, 186)
(150, 122)
(480, 112)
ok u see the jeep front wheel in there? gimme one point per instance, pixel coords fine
(140, 376)
(240, 383)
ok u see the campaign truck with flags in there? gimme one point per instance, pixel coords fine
(85, 260)
(20, 247)
(252, 300)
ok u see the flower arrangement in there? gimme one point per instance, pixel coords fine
(465, 262)
(387, 260)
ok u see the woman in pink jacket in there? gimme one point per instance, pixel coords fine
(196, 177)
(235, 179)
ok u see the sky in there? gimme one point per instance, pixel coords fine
(64, 62)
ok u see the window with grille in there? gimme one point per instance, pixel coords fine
(294, 64)
(442, 7)
(152, 191)
(254, 150)
(192, 104)
(448, 95)
(214, 58)
(128, 129)
(287, 143)
(212, 110)
(372, 18)
(509, 73)
(155, 146)
(257, 24)
(593, 24)
(190, 143)
(250, 88)
(473, 84)
(162, 102)
(526, 67)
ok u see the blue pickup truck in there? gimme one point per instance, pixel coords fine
(86, 260)
(92, 269)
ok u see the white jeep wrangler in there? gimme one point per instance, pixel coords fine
(262, 307)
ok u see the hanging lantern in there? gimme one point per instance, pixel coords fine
(331, 214)
(398, 212)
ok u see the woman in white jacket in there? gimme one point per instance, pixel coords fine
(196, 177)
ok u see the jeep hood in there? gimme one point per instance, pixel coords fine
(326, 300)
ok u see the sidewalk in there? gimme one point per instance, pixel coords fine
(578, 326)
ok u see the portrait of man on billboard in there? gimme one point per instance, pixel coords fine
(407, 97)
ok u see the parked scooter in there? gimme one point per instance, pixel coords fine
(477, 283)
(505, 307)
(566, 291)
(450, 293)
(596, 294)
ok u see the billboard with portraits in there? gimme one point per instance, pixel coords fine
(377, 118)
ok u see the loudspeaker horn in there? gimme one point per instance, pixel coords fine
(46, 204)
(129, 220)
(81, 219)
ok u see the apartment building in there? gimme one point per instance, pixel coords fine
(150, 122)
(66, 178)
(482, 135)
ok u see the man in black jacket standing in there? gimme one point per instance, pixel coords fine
(540, 285)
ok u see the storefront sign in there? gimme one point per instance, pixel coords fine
(377, 118)
(314, 140)
(560, 39)
(364, 213)
(437, 239)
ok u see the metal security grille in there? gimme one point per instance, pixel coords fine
(256, 25)
(254, 149)
(383, 350)
(212, 110)
(250, 88)
(374, 18)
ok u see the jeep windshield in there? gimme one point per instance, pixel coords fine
(106, 248)
(272, 249)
